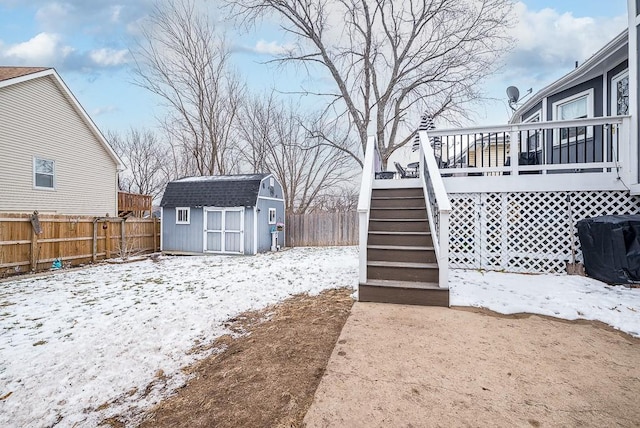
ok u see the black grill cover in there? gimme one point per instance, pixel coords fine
(611, 248)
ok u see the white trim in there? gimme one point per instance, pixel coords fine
(275, 215)
(74, 103)
(161, 228)
(613, 96)
(268, 198)
(255, 230)
(535, 183)
(222, 230)
(188, 221)
(33, 174)
(529, 119)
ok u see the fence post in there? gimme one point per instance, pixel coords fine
(107, 234)
(34, 248)
(35, 230)
(123, 236)
(155, 237)
(94, 252)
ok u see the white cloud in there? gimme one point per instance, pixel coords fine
(106, 57)
(116, 11)
(53, 15)
(272, 48)
(42, 49)
(104, 110)
(546, 39)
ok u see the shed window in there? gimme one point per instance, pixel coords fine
(272, 216)
(183, 215)
(43, 173)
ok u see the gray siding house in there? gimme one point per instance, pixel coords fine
(231, 214)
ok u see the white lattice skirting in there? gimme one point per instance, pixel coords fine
(528, 232)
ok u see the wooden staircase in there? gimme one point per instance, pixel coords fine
(401, 261)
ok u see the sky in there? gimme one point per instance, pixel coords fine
(88, 42)
(82, 345)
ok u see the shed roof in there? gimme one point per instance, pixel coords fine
(214, 191)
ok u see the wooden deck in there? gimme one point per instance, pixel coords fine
(134, 204)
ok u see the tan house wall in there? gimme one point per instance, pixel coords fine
(37, 119)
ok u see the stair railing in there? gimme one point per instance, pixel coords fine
(438, 206)
(372, 164)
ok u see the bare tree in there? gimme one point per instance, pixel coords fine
(391, 60)
(182, 59)
(146, 160)
(276, 140)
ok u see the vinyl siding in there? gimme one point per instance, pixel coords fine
(182, 237)
(38, 120)
(264, 228)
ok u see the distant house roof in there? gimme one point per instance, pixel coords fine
(213, 191)
(12, 72)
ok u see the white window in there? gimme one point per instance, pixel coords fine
(43, 173)
(620, 94)
(272, 216)
(579, 106)
(183, 215)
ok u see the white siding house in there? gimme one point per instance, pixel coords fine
(53, 158)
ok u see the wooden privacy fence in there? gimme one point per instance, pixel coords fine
(319, 229)
(31, 243)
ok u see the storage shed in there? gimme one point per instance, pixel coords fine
(230, 214)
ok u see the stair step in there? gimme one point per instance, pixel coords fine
(399, 238)
(427, 294)
(404, 284)
(378, 202)
(407, 220)
(400, 247)
(398, 225)
(406, 265)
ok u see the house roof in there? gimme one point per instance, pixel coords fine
(214, 191)
(12, 72)
(587, 70)
(14, 75)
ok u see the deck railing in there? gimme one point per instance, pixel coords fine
(582, 145)
(372, 164)
(438, 206)
(134, 204)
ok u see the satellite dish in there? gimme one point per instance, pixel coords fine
(514, 94)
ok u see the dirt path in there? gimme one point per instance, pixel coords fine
(266, 378)
(394, 365)
(414, 367)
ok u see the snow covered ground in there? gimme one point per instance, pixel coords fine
(77, 347)
(561, 296)
(73, 341)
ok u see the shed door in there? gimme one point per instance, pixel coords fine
(224, 232)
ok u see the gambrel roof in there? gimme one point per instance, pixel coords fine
(214, 191)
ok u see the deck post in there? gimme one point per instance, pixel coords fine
(514, 150)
